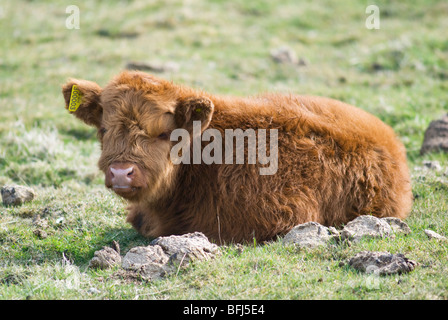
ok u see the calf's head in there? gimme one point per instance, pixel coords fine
(135, 115)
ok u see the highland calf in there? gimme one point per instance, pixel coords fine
(335, 161)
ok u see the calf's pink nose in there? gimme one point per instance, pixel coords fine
(121, 177)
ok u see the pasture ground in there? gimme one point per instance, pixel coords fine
(398, 72)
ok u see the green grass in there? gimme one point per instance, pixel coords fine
(398, 73)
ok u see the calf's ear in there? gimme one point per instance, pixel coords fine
(82, 98)
(193, 109)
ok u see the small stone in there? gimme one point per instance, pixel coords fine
(166, 255)
(105, 258)
(436, 136)
(16, 195)
(284, 55)
(187, 247)
(302, 62)
(308, 235)
(381, 263)
(150, 262)
(434, 235)
(40, 223)
(335, 233)
(397, 225)
(40, 233)
(116, 246)
(366, 227)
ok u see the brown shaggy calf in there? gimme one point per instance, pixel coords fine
(335, 161)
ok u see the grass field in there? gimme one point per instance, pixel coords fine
(398, 72)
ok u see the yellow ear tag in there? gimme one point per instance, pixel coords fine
(198, 110)
(75, 99)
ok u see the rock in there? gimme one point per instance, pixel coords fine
(129, 276)
(153, 67)
(39, 222)
(165, 255)
(397, 225)
(335, 233)
(16, 195)
(308, 235)
(40, 233)
(106, 257)
(284, 55)
(187, 247)
(41, 225)
(303, 63)
(434, 235)
(313, 234)
(381, 263)
(436, 136)
(366, 226)
(151, 261)
(116, 246)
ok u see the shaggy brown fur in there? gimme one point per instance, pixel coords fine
(336, 162)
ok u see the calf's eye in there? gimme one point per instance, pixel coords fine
(164, 135)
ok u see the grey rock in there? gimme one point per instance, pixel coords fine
(16, 195)
(436, 136)
(284, 55)
(308, 235)
(381, 263)
(335, 233)
(150, 262)
(187, 247)
(313, 234)
(106, 257)
(366, 226)
(41, 225)
(165, 255)
(397, 225)
(434, 235)
(40, 233)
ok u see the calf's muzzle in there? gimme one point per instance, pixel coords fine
(124, 178)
